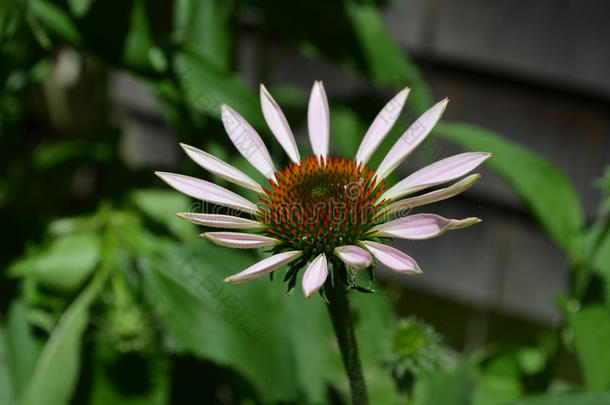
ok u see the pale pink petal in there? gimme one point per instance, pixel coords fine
(265, 266)
(247, 141)
(221, 221)
(315, 275)
(221, 168)
(437, 173)
(431, 197)
(206, 191)
(279, 125)
(240, 240)
(318, 120)
(410, 139)
(384, 121)
(354, 256)
(392, 258)
(418, 226)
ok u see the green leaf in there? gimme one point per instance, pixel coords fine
(203, 25)
(499, 382)
(64, 265)
(23, 349)
(387, 62)
(206, 88)
(542, 187)
(161, 206)
(282, 345)
(597, 243)
(532, 360)
(55, 19)
(6, 388)
(311, 340)
(10, 18)
(79, 7)
(71, 225)
(49, 155)
(232, 327)
(381, 386)
(591, 328)
(109, 385)
(139, 42)
(451, 388)
(374, 318)
(57, 369)
(575, 398)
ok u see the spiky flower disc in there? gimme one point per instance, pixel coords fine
(321, 204)
(417, 350)
(320, 207)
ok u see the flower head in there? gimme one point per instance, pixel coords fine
(320, 209)
(417, 351)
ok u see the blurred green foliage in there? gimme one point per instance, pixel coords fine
(118, 301)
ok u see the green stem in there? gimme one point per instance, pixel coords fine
(584, 275)
(338, 308)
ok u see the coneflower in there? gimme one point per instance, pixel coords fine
(323, 213)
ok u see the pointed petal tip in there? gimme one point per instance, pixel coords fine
(444, 102)
(413, 271)
(469, 180)
(443, 106)
(464, 223)
(320, 84)
(186, 147)
(263, 90)
(163, 176)
(224, 108)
